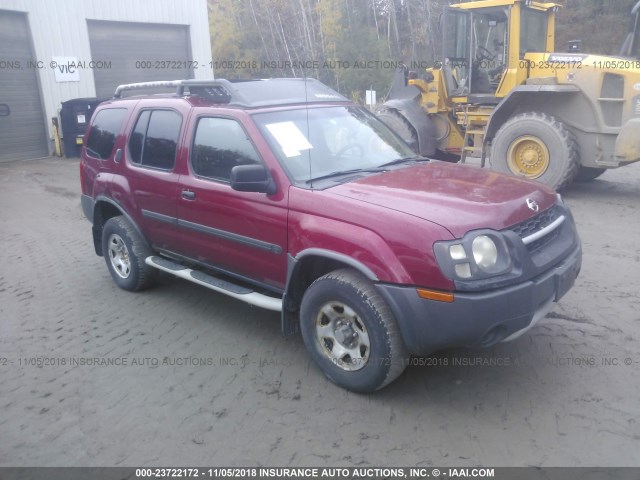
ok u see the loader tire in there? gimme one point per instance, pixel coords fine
(538, 147)
(396, 122)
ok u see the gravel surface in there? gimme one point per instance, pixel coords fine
(197, 378)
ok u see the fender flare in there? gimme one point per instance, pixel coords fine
(504, 110)
(289, 319)
(331, 255)
(97, 232)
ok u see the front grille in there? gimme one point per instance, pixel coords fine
(536, 223)
(532, 225)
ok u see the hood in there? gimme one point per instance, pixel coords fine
(457, 197)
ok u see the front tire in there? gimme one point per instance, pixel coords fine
(125, 252)
(350, 332)
(538, 147)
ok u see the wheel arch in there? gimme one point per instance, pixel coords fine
(565, 102)
(104, 209)
(303, 269)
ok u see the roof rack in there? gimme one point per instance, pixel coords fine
(248, 93)
(180, 85)
(134, 86)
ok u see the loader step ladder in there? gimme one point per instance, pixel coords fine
(475, 130)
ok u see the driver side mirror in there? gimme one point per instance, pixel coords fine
(4, 110)
(252, 178)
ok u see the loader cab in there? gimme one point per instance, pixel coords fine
(485, 42)
(631, 45)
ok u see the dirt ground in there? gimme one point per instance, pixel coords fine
(197, 378)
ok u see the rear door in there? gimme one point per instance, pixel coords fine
(150, 175)
(242, 233)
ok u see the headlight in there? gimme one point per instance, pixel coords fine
(480, 254)
(485, 252)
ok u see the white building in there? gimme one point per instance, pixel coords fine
(53, 51)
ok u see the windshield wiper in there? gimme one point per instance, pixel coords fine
(346, 172)
(398, 161)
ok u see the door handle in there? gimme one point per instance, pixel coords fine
(188, 195)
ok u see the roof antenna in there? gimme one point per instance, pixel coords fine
(306, 105)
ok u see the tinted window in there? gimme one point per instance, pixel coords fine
(137, 137)
(154, 139)
(104, 130)
(219, 145)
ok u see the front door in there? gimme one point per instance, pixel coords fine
(240, 232)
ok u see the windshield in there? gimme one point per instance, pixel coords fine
(316, 142)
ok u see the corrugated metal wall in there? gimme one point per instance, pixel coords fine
(123, 44)
(22, 132)
(61, 29)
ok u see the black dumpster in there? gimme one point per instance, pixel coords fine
(74, 116)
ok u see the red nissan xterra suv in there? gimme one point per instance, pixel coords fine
(283, 194)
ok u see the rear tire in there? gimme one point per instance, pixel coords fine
(350, 332)
(125, 252)
(401, 127)
(538, 147)
(586, 174)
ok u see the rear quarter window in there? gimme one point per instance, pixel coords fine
(104, 129)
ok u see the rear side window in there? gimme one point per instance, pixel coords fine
(104, 130)
(154, 139)
(219, 145)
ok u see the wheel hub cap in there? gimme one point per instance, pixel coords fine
(528, 156)
(342, 336)
(345, 334)
(119, 256)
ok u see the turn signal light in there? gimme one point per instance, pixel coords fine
(435, 295)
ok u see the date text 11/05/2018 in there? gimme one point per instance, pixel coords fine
(579, 64)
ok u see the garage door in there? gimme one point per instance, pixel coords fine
(22, 132)
(138, 52)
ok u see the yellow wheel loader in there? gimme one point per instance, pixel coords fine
(501, 93)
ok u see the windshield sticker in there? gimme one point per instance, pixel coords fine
(290, 138)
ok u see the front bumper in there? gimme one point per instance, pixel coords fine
(479, 319)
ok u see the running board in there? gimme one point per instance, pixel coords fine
(222, 286)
